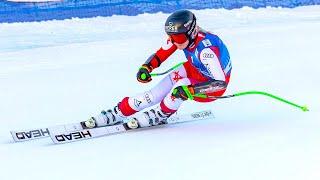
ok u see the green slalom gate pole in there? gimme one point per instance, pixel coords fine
(303, 108)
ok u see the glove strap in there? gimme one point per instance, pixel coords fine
(147, 67)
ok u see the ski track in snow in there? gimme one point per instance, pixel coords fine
(60, 72)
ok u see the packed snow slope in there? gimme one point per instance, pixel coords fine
(60, 72)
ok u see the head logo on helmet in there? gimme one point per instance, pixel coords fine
(172, 28)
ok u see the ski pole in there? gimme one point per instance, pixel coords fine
(165, 72)
(303, 108)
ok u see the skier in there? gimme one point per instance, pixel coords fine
(206, 71)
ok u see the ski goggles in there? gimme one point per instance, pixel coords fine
(178, 38)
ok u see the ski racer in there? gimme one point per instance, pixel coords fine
(206, 71)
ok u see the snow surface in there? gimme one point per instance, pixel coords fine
(60, 72)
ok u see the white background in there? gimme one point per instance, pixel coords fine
(61, 72)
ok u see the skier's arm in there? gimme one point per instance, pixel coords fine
(210, 58)
(161, 55)
(155, 61)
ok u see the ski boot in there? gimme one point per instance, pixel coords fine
(105, 118)
(152, 117)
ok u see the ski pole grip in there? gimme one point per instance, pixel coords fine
(143, 76)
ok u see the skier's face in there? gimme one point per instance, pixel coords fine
(180, 40)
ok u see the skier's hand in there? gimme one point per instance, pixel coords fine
(183, 92)
(143, 74)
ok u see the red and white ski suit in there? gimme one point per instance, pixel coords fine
(207, 59)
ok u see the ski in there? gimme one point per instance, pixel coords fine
(39, 133)
(30, 134)
(75, 132)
